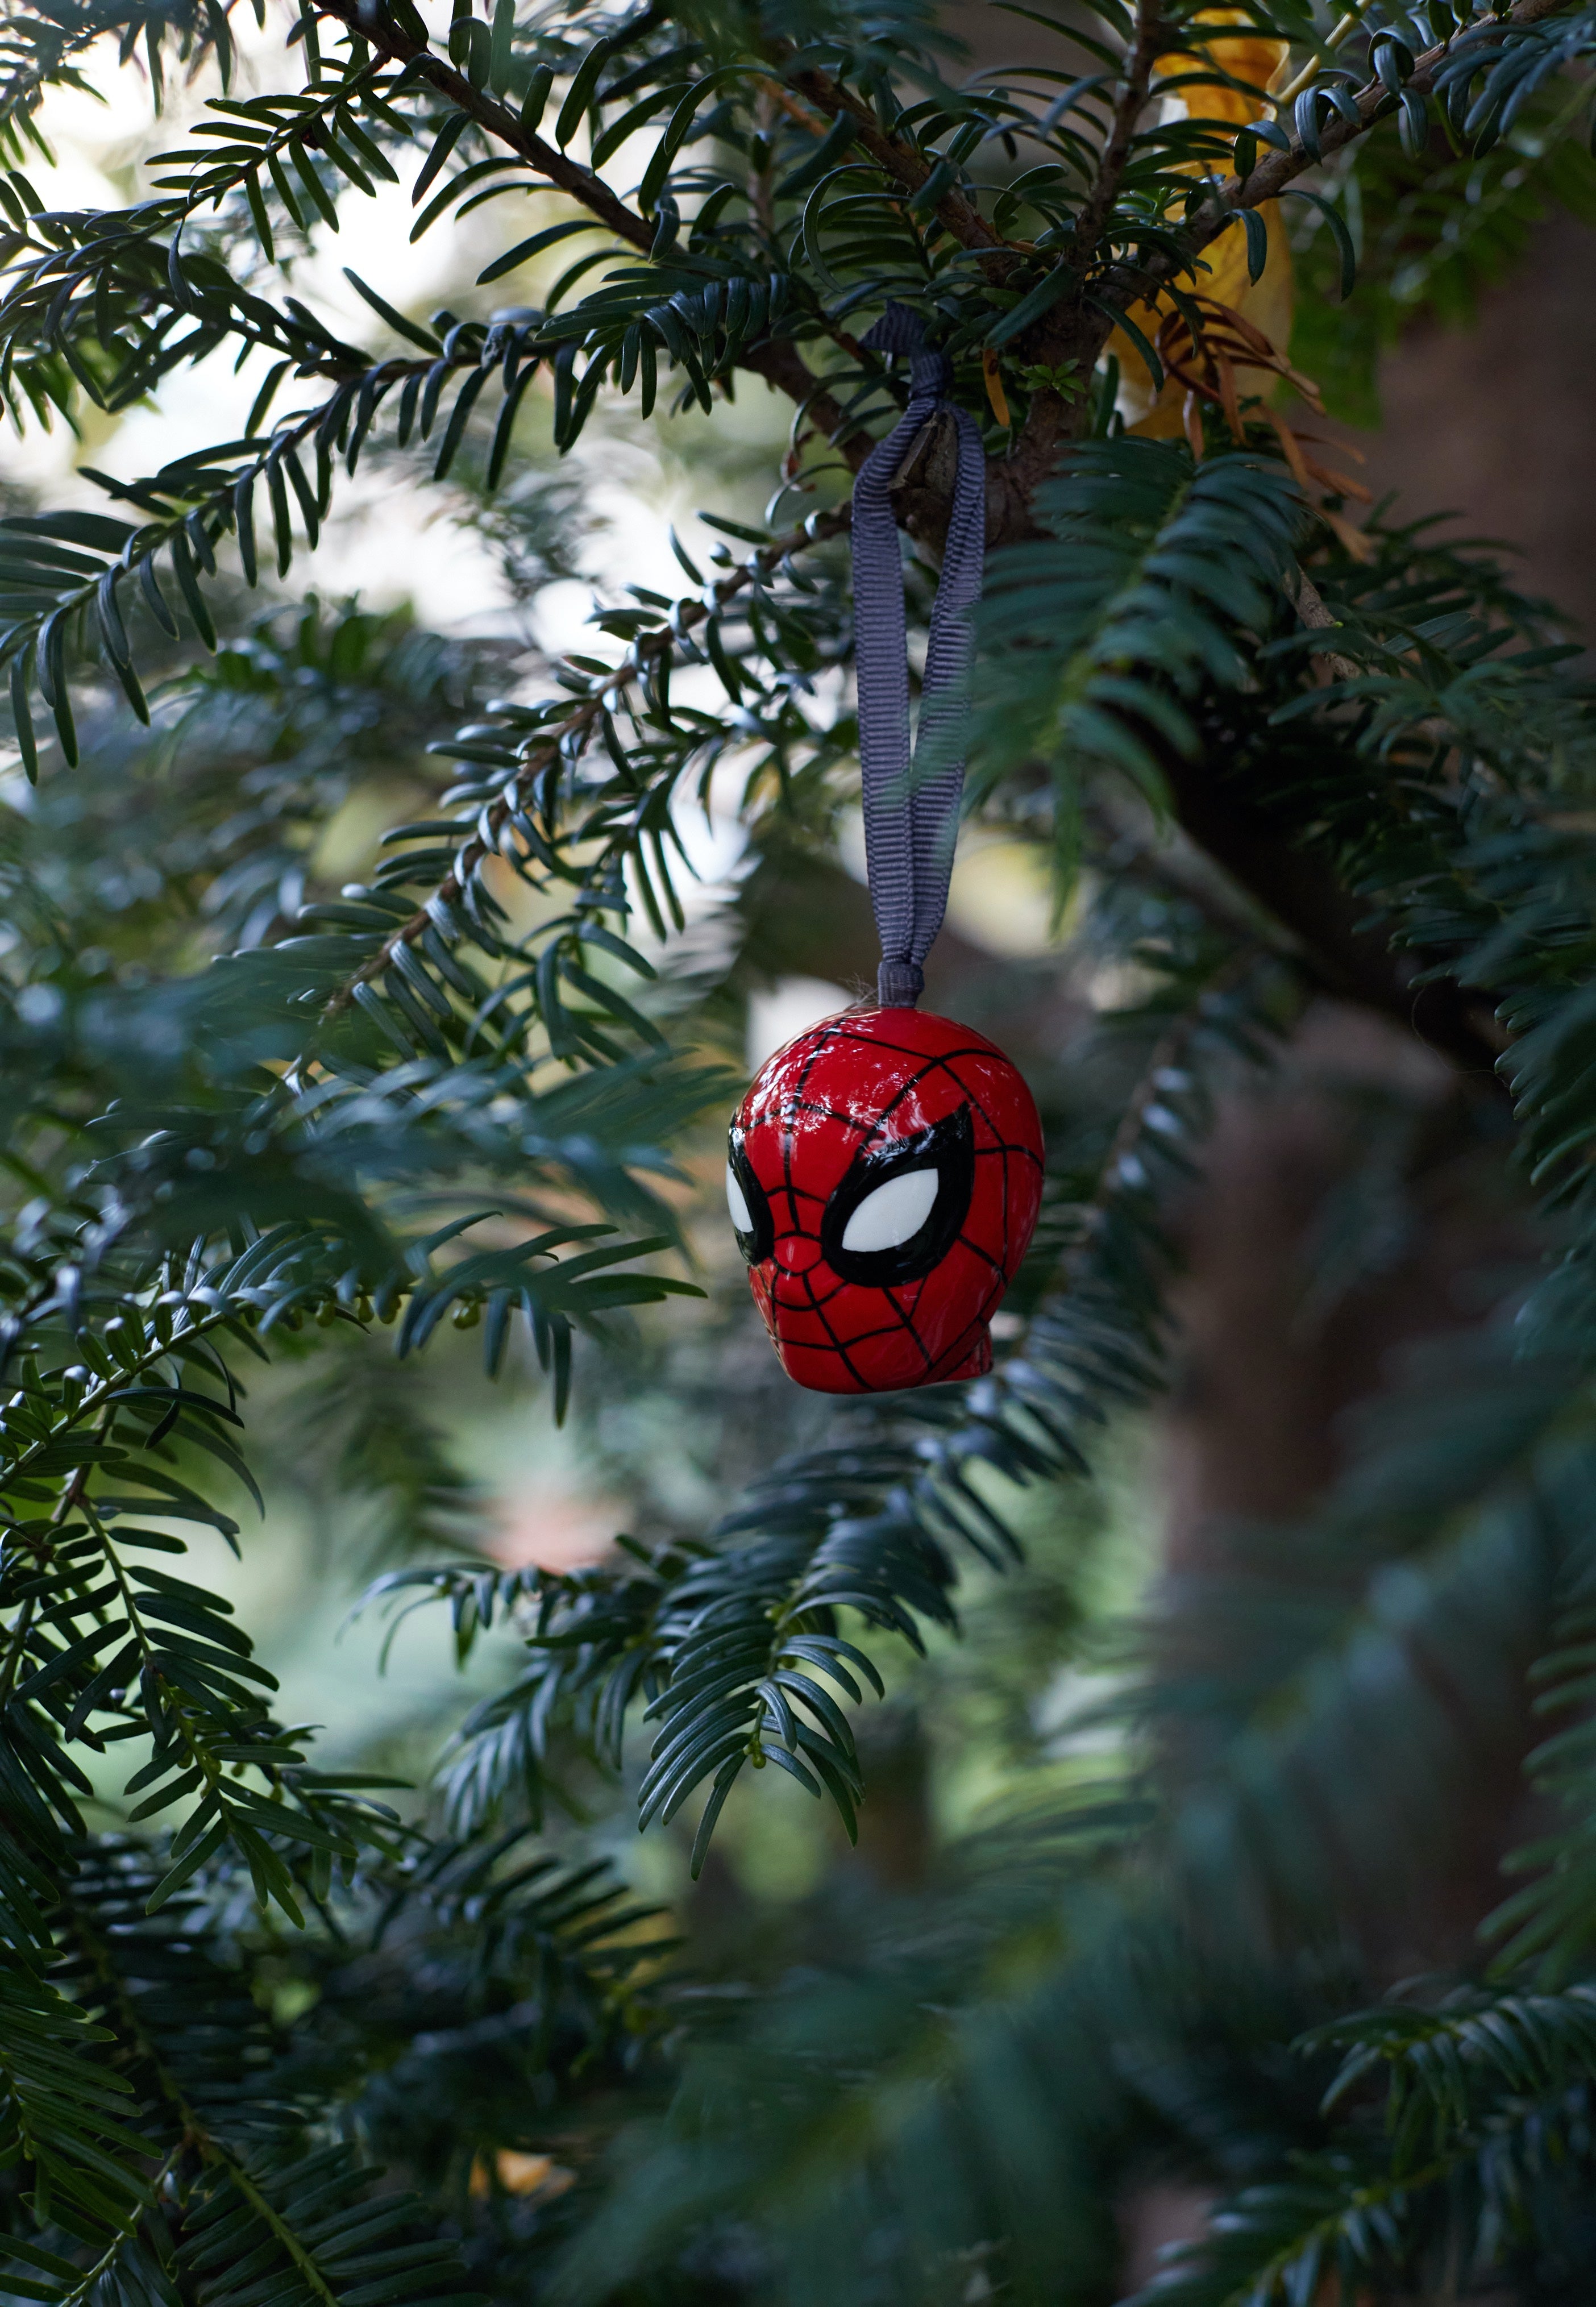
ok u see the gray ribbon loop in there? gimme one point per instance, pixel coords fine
(912, 803)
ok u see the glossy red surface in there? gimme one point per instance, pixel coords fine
(856, 1085)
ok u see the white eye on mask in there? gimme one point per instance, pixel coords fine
(737, 1203)
(894, 1213)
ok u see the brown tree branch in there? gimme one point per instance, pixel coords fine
(1310, 604)
(380, 33)
(1328, 924)
(966, 223)
(1128, 108)
(1074, 332)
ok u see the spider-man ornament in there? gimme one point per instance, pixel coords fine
(884, 1176)
(885, 1169)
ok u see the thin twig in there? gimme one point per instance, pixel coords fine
(1310, 604)
(1128, 108)
(1165, 1050)
(1336, 37)
(381, 32)
(966, 224)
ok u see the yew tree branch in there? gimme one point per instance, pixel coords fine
(584, 715)
(780, 363)
(1289, 885)
(1276, 170)
(1078, 330)
(379, 32)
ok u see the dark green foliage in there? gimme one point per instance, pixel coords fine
(1154, 566)
(250, 1115)
(179, 2065)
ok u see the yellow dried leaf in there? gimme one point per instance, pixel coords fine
(997, 398)
(520, 2174)
(1266, 302)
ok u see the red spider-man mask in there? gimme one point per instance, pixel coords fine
(884, 1176)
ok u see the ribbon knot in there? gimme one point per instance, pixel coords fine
(912, 799)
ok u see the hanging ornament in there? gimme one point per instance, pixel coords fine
(884, 1175)
(884, 1171)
